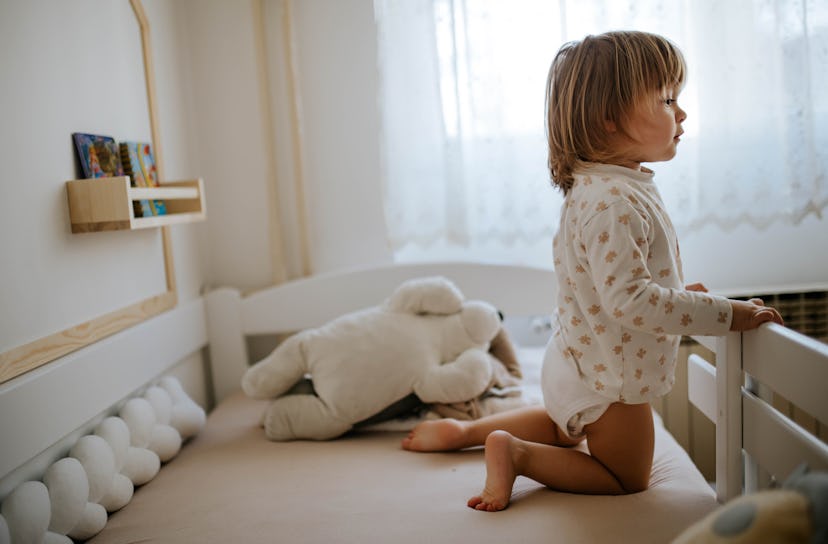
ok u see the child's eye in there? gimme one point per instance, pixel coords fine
(670, 101)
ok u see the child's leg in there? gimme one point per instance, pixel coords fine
(530, 423)
(621, 445)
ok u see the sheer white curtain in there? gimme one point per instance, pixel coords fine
(462, 98)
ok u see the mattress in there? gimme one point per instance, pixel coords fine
(230, 484)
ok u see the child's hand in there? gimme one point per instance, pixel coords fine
(749, 315)
(696, 287)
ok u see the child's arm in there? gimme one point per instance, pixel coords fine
(638, 289)
(746, 315)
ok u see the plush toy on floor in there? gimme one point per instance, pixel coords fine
(424, 339)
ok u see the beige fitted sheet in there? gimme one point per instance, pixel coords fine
(230, 484)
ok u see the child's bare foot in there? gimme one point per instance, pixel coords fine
(437, 435)
(501, 453)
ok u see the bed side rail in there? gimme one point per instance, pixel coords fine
(751, 434)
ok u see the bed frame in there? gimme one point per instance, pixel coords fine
(43, 412)
(758, 363)
(758, 446)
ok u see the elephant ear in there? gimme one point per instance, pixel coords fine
(430, 295)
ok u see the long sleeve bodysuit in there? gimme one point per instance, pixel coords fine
(622, 306)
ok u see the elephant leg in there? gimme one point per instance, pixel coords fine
(458, 381)
(274, 375)
(302, 417)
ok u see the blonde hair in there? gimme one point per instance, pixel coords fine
(599, 79)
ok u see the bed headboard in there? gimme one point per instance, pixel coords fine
(756, 443)
(514, 290)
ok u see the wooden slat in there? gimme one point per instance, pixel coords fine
(728, 416)
(29, 356)
(167, 193)
(149, 81)
(100, 226)
(794, 365)
(776, 443)
(165, 220)
(701, 385)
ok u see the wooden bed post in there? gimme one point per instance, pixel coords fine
(228, 348)
(728, 416)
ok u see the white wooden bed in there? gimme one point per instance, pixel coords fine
(230, 484)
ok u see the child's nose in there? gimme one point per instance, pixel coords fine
(681, 115)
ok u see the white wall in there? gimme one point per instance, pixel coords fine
(57, 81)
(77, 67)
(334, 53)
(227, 128)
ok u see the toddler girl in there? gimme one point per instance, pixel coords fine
(612, 104)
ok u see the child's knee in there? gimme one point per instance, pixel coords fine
(498, 438)
(635, 483)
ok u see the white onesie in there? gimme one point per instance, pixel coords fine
(622, 307)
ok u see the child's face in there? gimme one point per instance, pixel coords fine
(654, 128)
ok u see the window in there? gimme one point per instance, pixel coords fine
(462, 104)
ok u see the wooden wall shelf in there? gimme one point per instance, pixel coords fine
(107, 203)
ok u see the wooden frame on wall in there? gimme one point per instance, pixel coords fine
(39, 352)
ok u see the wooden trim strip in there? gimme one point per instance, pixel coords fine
(29, 356)
(277, 251)
(296, 135)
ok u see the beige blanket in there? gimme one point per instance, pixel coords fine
(231, 484)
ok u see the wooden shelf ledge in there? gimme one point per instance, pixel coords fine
(107, 204)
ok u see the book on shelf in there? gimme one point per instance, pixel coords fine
(139, 165)
(98, 155)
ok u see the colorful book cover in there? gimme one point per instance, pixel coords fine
(98, 155)
(140, 165)
(132, 168)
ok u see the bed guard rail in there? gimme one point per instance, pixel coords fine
(737, 395)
